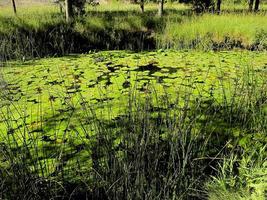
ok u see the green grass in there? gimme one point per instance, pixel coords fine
(240, 27)
(250, 183)
(34, 17)
(178, 29)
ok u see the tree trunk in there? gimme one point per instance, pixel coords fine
(142, 6)
(257, 5)
(160, 10)
(14, 6)
(68, 9)
(207, 5)
(218, 8)
(60, 7)
(250, 5)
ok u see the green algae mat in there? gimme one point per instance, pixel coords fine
(46, 89)
(51, 100)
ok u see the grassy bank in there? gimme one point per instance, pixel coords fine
(227, 31)
(39, 32)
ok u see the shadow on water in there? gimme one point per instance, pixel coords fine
(149, 139)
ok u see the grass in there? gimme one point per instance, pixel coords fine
(35, 17)
(41, 31)
(239, 27)
(250, 183)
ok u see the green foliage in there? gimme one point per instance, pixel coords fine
(41, 32)
(241, 178)
(212, 31)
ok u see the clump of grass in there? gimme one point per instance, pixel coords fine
(203, 32)
(242, 174)
(241, 177)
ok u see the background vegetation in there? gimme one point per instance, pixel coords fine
(41, 31)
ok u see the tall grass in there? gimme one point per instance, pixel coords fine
(41, 31)
(241, 177)
(206, 30)
(35, 17)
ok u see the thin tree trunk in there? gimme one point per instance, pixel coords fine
(257, 5)
(14, 6)
(60, 7)
(218, 8)
(142, 6)
(207, 5)
(160, 10)
(250, 8)
(68, 9)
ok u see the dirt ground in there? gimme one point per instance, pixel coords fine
(25, 2)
